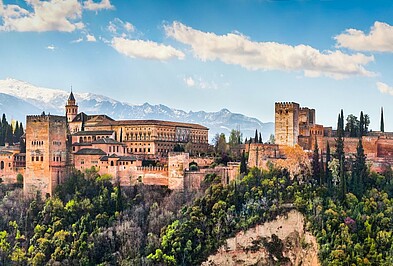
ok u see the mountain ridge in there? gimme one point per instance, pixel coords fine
(52, 101)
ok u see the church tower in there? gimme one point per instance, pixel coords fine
(71, 108)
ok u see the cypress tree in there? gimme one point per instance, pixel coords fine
(316, 171)
(16, 132)
(321, 174)
(340, 137)
(4, 120)
(260, 138)
(343, 180)
(361, 125)
(119, 198)
(359, 170)
(243, 165)
(256, 136)
(8, 135)
(21, 130)
(121, 135)
(245, 141)
(382, 122)
(328, 176)
(340, 156)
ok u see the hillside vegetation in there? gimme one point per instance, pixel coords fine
(90, 221)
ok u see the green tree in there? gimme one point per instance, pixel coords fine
(243, 164)
(220, 144)
(256, 136)
(339, 154)
(352, 126)
(315, 165)
(328, 175)
(359, 172)
(362, 130)
(271, 139)
(235, 138)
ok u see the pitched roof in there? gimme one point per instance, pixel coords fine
(121, 158)
(90, 151)
(81, 117)
(81, 144)
(106, 141)
(93, 133)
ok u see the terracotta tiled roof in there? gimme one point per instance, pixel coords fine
(90, 151)
(107, 141)
(93, 132)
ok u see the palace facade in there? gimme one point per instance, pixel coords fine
(57, 144)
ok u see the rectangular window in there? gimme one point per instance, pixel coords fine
(32, 158)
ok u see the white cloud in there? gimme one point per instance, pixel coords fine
(380, 38)
(190, 82)
(120, 28)
(90, 38)
(237, 49)
(384, 88)
(199, 83)
(52, 15)
(50, 47)
(129, 27)
(77, 40)
(91, 5)
(145, 49)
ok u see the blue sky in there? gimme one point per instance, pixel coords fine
(208, 55)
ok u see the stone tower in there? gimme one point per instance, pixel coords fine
(71, 108)
(286, 123)
(47, 153)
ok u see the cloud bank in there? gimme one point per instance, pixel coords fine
(379, 39)
(51, 15)
(145, 49)
(237, 49)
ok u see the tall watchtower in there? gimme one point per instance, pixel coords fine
(47, 153)
(71, 108)
(286, 123)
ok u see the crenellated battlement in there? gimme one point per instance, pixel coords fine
(282, 105)
(45, 118)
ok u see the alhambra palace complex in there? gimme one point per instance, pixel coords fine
(57, 144)
(295, 125)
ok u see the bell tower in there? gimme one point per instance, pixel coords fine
(71, 108)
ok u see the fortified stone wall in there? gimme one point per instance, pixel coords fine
(259, 154)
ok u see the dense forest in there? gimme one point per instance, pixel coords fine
(93, 221)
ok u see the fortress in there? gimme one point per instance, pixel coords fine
(295, 125)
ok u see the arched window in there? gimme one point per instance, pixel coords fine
(2, 165)
(112, 163)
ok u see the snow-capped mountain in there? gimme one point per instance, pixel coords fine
(18, 98)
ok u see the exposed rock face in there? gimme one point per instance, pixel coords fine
(280, 242)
